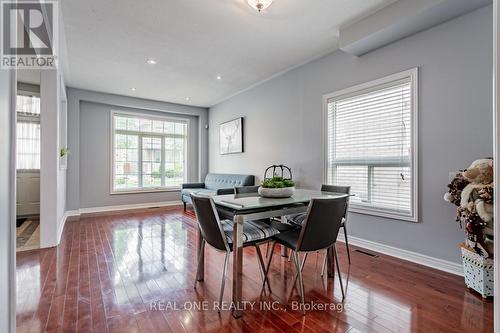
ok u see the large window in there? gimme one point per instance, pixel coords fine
(28, 131)
(371, 145)
(149, 153)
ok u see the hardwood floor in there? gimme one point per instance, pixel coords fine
(28, 235)
(134, 272)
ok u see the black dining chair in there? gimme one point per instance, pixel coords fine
(218, 234)
(319, 232)
(237, 190)
(298, 219)
(246, 189)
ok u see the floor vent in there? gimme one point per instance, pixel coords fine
(367, 253)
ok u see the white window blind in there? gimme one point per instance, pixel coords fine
(28, 132)
(148, 152)
(28, 105)
(370, 138)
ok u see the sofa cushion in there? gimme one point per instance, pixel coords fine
(215, 181)
(186, 193)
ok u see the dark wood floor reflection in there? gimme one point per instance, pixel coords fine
(134, 273)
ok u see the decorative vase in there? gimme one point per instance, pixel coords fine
(478, 272)
(283, 192)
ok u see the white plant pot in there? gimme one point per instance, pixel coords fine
(284, 192)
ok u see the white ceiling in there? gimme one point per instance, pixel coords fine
(194, 41)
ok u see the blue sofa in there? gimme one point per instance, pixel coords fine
(215, 184)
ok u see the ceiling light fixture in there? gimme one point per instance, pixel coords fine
(188, 99)
(151, 62)
(219, 77)
(259, 5)
(133, 89)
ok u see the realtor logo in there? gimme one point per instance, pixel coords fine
(29, 34)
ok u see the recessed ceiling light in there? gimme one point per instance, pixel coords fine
(219, 77)
(133, 89)
(151, 62)
(188, 99)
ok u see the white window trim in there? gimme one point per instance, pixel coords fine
(27, 118)
(187, 121)
(413, 75)
(28, 93)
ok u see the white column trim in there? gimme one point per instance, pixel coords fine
(496, 154)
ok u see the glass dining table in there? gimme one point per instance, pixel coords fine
(251, 206)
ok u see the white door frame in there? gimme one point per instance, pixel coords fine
(496, 155)
(13, 153)
(10, 315)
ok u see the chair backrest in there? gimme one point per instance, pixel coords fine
(246, 189)
(208, 222)
(321, 224)
(338, 189)
(216, 181)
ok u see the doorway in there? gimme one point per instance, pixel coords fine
(28, 161)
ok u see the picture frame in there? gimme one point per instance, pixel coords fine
(231, 137)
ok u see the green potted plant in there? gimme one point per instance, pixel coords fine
(64, 151)
(277, 187)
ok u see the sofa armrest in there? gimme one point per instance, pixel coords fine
(222, 191)
(193, 185)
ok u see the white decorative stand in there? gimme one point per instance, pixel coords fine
(478, 272)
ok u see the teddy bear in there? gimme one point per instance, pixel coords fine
(476, 206)
(472, 191)
(478, 194)
(455, 188)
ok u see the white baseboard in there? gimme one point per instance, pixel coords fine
(63, 223)
(418, 258)
(115, 208)
(72, 213)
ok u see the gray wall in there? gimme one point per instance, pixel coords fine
(283, 123)
(89, 143)
(7, 203)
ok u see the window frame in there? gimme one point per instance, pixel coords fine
(186, 121)
(374, 85)
(28, 119)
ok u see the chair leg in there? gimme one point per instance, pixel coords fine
(302, 266)
(267, 249)
(268, 265)
(222, 285)
(301, 282)
(347, 245)
(202, 250)
(324, 264)
(262, 267)
(303, 261)
(297, 275)
(259, 256)
(184, 206)
(338, 272)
